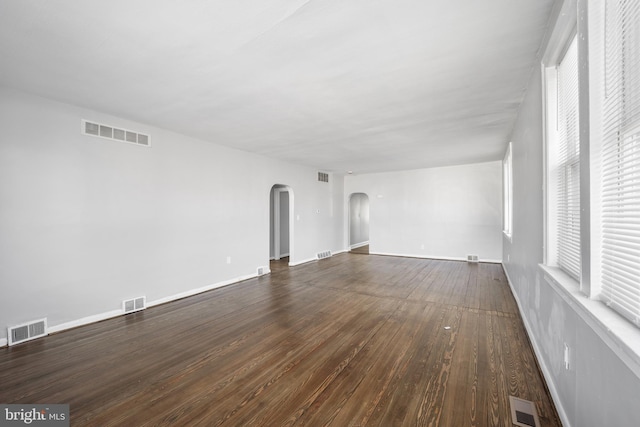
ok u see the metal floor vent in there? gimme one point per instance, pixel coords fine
(117, 134)
(136, 304)
(325, 254)
(27, 331)
(523, 412)
(472, 258)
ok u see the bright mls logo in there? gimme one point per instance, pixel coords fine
(34, 415)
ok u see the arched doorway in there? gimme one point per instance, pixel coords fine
(281, 224)
(359, 223)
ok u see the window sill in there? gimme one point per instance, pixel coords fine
(620, 335)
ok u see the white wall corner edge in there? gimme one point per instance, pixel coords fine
(543, 366)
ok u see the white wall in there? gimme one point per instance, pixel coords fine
(87, 222)
(599, 389)
(447, 212)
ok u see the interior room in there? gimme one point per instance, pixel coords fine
(321, 212)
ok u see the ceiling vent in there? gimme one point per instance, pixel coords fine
(132, 305)
(323, 177)
(27, 331)
(114, 133)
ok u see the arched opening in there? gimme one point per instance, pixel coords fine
(359, 223)
(280, 225)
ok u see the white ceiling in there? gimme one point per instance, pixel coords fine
(362, 85)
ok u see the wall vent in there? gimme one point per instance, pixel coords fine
(136, 304)
(472, 258)
(325, 254)
(523, 412)
(27, 331)
(323, 177)
(115, 133)
(260, 271)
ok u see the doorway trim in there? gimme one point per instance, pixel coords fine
(278, 189)
(349, 212)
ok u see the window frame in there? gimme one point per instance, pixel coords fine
(507, 192)
(554, 166)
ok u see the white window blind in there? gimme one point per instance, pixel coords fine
(568, 173)
(621, 160)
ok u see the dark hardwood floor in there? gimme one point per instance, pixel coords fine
(350, 340)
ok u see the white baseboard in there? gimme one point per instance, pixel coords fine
(492, 261)
(359, 245)
(115, 313)
(422, 256)
(84, 321)
(417, 256)
(546, 373)
(293, 264)
(196, 291)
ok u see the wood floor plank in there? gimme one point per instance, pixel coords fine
(248, 368)
(351, 340)
(308, 380)
(460, 406)
(355, 394)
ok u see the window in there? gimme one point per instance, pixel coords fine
(507, 192)
(620, 160)
(568, 173)
(563, 163)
